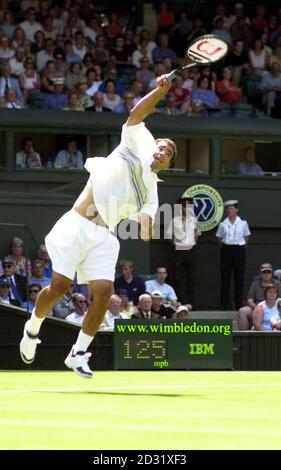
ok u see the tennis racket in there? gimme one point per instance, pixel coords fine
(204, 50)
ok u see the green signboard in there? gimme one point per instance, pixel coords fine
(172, 344)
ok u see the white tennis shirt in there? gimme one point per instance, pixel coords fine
(123, 183)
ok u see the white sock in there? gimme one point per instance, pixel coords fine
(34, 324)
(83, 342)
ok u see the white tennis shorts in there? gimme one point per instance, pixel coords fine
(77, 245)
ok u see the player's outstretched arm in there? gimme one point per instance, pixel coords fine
(146, 105)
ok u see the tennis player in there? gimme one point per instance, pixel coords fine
(121, 186)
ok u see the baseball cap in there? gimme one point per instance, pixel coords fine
(182, 308)
(266, 267)
(238, 6)
(156, 293)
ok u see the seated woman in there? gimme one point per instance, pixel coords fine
(203, 93)
(29, 79)
(227, 90)
(265, 310)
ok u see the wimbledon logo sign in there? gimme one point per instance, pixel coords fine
(208, 205)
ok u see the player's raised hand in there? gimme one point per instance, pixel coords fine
(162, 82)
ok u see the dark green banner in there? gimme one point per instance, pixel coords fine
(171, 344)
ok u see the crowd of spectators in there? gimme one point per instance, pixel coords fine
(70, 56)
(135, 297)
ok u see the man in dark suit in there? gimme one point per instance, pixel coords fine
(144, 312)
(98, 104)
(6, 82)
(18, 283)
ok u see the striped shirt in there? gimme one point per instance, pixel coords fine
(123, 184)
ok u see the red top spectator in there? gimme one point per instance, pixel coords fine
(227, 89)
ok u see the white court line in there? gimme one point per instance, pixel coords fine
(141, 387)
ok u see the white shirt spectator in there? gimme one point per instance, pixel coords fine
(63, 157)
(42, 58)
(183, 233)
(16, 67)
(75, 318)
(233, 234)
(30, 29)
(166, 290)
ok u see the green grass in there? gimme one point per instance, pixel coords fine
(140, 410)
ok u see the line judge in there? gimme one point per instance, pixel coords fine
(233, 235)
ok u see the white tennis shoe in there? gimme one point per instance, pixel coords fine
(79, 363)
(28, 345)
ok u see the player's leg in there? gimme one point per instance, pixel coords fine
(46, 299)
(77, 359)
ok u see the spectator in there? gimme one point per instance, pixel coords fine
(79, 46)
(73, 102)
(259, 58)
(159, 284)
(242, 31)
(203, 93)
(127, 103)
(256, 296)
(266, 309)
(5, 293)
(10, 100)
(38, 275)
(113, 29)
(70, 56)
(7, 24)
(18, 283)
(92, 30)
(29, 80)
(182, 312)
(221, 14)
(226, 89)
(18, 38)
(100, 52)
(70, 157)
(197, 30)
(158, 307)
(233, 235)
(170, 107)
(16, 62)
(113, 313)
(126, 308)
(80, 307)
(238, 12)
(110, 98)
(85, 101)
(162, 50)
(270, 86)
(23, 265)
(182, 95)
(221, 31)
(179, 33)
(93, 84)
(38, 43)
(276, 319)
(133, 284)
(248, 167)
(118, 55)
(30, 26)
(112, 75)
(49, 29)
(144, 75)
(48, 76)
(98, 106)
(65, 306)
(45, 55)
(6, 81)
(165, 18)
(27, 157)
(33, 291)
(43, 255)
(6, 53)
(144, 309)
(58, 99)
(238, 60)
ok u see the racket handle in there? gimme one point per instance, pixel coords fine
(171, 75)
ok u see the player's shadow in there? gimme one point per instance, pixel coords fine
(131, 394)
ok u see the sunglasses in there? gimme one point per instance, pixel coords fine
(34, 291)
(7, 265)
(81, 301)
(266, 271)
